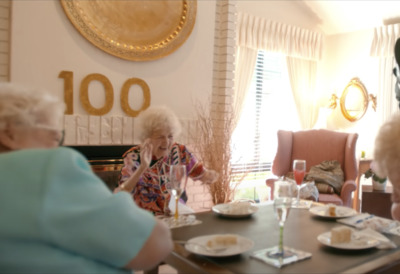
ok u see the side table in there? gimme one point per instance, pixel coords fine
(377, 202)
(363, 166)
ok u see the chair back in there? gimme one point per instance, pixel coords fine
(316, 146)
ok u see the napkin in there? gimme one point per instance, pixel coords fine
(385, 243)
(395, 230)
(305, 204)
(183, 220)
(293, 255)
(366, 220)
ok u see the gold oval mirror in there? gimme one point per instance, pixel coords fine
(354, 100)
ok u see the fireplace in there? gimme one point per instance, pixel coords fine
(106, 161)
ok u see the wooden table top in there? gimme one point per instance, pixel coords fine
(301, 231)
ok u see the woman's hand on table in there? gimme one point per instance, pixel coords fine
(167, 211)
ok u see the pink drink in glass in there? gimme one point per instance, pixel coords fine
(299, 176)
(299, 170)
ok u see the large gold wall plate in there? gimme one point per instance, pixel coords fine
(133, 30)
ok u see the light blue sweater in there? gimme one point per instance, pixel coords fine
(57, 216)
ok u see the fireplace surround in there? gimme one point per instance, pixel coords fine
(106, 161)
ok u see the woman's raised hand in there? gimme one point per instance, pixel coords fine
(146, 153)
(209, 177)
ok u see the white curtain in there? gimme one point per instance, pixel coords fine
(246, 60)
(302, 75)
(383, 47)
(256, 33)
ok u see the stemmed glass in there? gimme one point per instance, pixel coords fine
(282, 205)
(178, 180)
(299, 170)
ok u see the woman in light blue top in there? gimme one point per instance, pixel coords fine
(56, 215)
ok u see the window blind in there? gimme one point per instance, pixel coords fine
(254, 140)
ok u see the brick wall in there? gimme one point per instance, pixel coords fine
(5, 8)
(223, 86)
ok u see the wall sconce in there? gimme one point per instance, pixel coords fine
(333, 101)
(372, 99)
(354, 100)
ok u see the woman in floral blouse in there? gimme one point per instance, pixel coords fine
(146, 166)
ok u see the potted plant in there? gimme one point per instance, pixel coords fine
(378, 183)
(212, 143)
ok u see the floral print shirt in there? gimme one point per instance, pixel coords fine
(150, 192)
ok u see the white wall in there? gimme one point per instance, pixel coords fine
(44, 43)
(344, 56)
(347, 56)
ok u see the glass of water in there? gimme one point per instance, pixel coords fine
(282, 205)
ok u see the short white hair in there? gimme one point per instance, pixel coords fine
(157, 118)
(29, 107)
(387, 149)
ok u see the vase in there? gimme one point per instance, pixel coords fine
(379, 186)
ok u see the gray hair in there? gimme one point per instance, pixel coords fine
(387, 149)
(158, 118)
(29, 107)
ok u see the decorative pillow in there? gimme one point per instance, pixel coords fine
(324, 188)
(329, 173)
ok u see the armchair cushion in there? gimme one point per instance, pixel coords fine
(344, 198)
(330, 199)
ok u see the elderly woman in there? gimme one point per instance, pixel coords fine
(387, 158)
(56, 215)
(146, 166)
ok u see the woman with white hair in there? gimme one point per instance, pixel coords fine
(146, 166)
(387, 158)
(56, 215)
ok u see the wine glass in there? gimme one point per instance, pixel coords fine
(299, 170)
(178, 179)
(282, 205)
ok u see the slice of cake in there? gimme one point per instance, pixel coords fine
(332, 210)
(222, 240)
(239, 208)
(340, 234)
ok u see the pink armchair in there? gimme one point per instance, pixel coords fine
(315, 146)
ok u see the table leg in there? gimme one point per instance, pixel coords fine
(363, 166)
(356, 199)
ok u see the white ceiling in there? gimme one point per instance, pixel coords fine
(340, 16)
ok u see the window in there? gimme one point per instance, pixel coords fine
(269, 106)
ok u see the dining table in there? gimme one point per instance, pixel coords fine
(301, 231)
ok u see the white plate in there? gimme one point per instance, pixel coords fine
(227, 210)
(243, 245)
(358, 241)
(341, 212)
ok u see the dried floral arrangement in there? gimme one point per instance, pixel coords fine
(212, 143)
